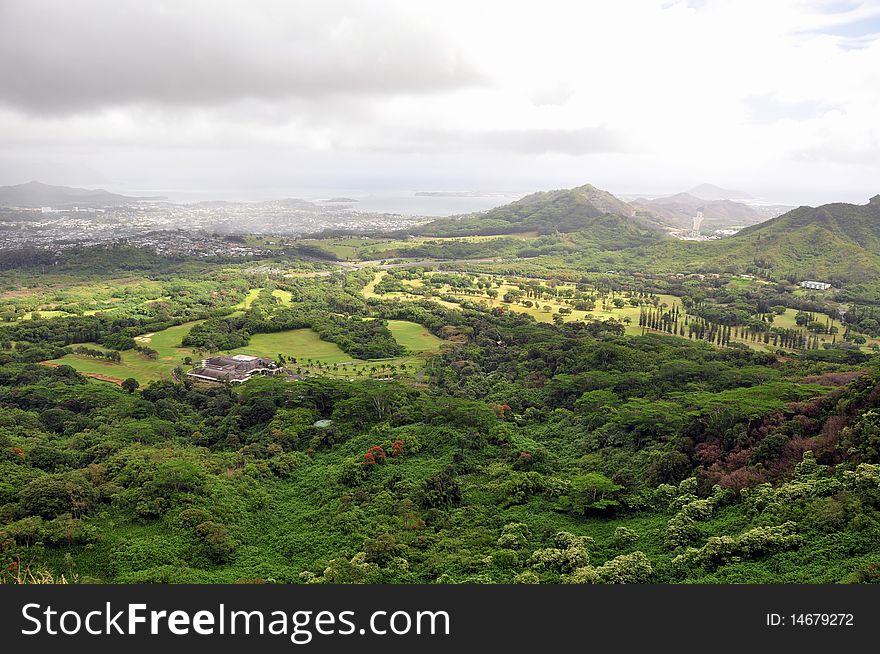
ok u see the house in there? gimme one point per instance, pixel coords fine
(235, 368)
(815, 286)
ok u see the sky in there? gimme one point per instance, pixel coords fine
(250, 99)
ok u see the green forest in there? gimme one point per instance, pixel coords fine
(513, 420)
(605, 447)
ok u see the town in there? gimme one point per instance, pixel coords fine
(147, 223)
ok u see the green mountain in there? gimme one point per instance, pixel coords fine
(837, 243)
(586, 209)
(859, 223)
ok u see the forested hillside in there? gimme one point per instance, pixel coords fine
(523, 452)
(608, 220)
(839, 243)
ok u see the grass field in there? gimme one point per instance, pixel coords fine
(537, 312)
(369, 291)
(45, 314)
(317, 357)
(134, 364)
(301, 344)
(286, 297)
(248, 300)
(304, 345)
(341, 248)
(413, 336)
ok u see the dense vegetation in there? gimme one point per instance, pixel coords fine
(610, 222)
(575, 424)
(535, 453)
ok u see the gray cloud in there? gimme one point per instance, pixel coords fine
(59, 57)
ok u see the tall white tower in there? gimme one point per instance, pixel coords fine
(698, 219)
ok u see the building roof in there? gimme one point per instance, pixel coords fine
(238, 367)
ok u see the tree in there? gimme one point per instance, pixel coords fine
(634, 568)
(593, 491)
(441, 491)
(178, 476)
(130, 385)
(382, 549)
(218, 544)
(669, 468)
(53, 495)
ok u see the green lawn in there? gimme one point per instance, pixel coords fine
(134, 364)
(328, 359)
(45, 314)
(413, 336)
(252, 295)
(369, 291)
(301, 344)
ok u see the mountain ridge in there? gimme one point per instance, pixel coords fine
(544, 212)
(38, 194)
(678, 210)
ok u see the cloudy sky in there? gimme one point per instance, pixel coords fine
(780, 98)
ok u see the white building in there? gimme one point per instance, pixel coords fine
(815, 286)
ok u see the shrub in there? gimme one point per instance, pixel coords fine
(218, 544)
(634, 568)
(192, 517)
(623, 538)
(720, 550)
(514, 535)
(569, 554)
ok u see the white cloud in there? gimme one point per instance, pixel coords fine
(633, 95)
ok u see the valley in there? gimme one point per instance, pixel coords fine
(548, 392)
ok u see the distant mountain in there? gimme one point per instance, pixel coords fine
(712, 192)
(547, 212)
(36, 194)
(679, 210)
(837, 243)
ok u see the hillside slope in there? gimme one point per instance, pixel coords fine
(838, 243)
(679, 210)
(585, 208)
